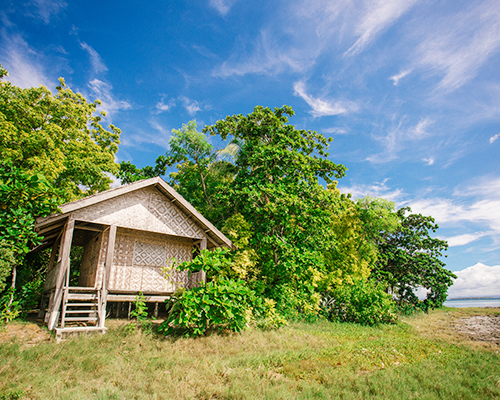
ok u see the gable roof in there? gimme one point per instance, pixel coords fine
(50, 224)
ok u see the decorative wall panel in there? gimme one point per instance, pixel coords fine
(140, 259)
(145, 209)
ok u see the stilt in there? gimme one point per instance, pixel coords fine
(156, 310)
(129, 309)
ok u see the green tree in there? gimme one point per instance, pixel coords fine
(409, 258)
(58, 135)
(277, 190)
(23, 196)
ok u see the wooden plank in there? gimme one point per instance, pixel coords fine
(132, 298)
(107, 272)
(61, 274)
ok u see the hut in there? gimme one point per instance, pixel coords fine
(128, 237)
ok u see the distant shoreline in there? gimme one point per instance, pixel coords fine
(474, 298)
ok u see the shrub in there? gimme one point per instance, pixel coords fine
(363, 302)
(216, 306)
(267, 317)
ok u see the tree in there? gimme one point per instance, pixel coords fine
(58, 135)
(23, 196)
(409, 259)
(276, 189)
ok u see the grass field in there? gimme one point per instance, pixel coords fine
(421, 357)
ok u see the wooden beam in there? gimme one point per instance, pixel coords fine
(89, 228)
(106, 273)
(61, 274)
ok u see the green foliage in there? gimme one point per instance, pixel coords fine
(409, 259)
(217, 306)
(59, 136)
(363, 302)
(23, 196)
(140, 313)
(9, 308)
(215, 263)
(276, 189)
(266, 316)
(7, 260)
(244, 259)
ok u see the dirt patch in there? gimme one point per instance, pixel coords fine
(485, 328)
(28, 334)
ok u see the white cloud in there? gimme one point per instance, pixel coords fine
(378, 16)
(191, 106)
(102, 90)
(477, 281)
(420, 130)
(377, 189)
(46, 9)
(23, 62)
(95, 58)
(322, 107)
(398, 77)
(268, 57)
(429, 161)
(461, 240)
(459, 45)
(161, 106)
(494, 137)
(336, 131)
(222, 6)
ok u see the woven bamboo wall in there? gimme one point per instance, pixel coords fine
(145, 209)
(139, 258)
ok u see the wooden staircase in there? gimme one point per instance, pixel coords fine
(81, 311)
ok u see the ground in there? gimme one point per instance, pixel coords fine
(447, 353)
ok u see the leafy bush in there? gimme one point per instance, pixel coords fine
(140, 313)
(363, 302)
(215, 306)
(267, 317)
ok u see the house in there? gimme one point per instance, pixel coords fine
(130, 236)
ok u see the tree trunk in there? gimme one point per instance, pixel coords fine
(13, 285)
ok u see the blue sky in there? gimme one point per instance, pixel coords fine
(409, 90)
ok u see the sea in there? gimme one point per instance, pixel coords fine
(461, 303)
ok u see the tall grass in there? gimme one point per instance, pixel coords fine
(420, 358)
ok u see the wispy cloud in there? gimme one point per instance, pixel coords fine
(461, 240)
(269, 57)
(377, 189)
(460, 44)
(429, 161)
(103, 91)
(377, 17)
(398, 77)
(162, 107)
(336, 131)
(95, 58)
(420, 131)
(191, 106)
(46, 9)
(478, 204)
(321, 107)
(477, 281)
(23, 62)
(494, 137)
(222, 6)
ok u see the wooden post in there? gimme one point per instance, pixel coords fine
(61, 274)
(107, 272)
(203, 246)
(156, 310)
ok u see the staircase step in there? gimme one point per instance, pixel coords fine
(81, 304)
(82, 296)
(80, 311)
(77, 319)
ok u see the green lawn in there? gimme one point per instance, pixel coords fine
(421, 357)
